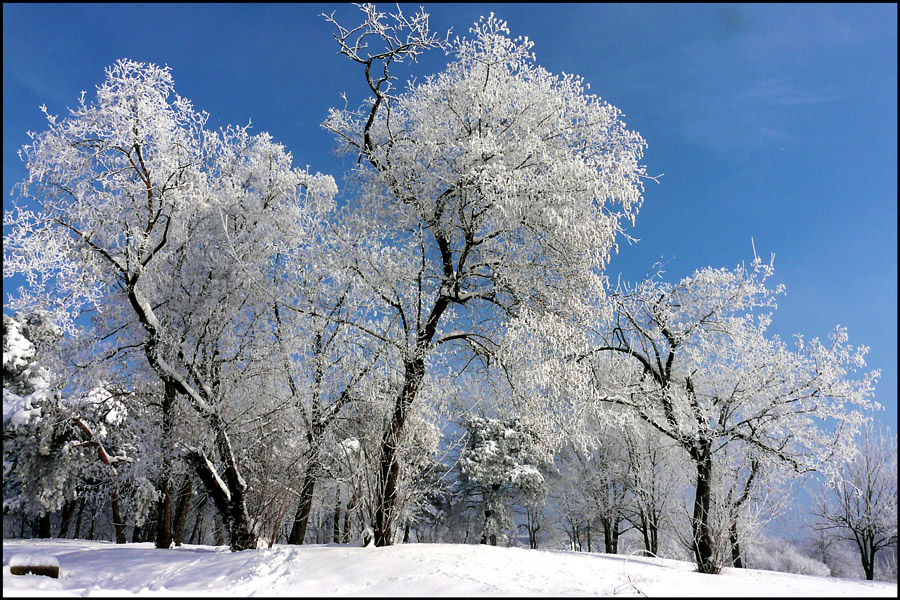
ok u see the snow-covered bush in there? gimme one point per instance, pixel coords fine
(782, 555)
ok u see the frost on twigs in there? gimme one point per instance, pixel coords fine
(402, 36)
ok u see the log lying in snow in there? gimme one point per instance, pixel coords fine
(34, 564)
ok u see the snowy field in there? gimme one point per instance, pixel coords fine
(105, 569)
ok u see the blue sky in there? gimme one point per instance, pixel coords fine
(771, 122)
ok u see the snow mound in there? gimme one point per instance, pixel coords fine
(33, 560)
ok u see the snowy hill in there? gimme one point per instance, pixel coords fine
(103, 568)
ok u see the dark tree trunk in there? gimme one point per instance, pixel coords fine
(644, 528)
(181, 511)
(589, 537)
(532, 536)
(736, 559)
(78, 518)
(406, 533)
(68, 512)
(653, 535)
(704, 551)
(136, 535)
(413, 373)
(230, 502)
(192, 539)
(301, 518)
(118, 521)
(576, 537)
(389, 472)
(164, 514)
(336, 522)
(867, 552)
(485, 538)
(164, 508)
(44, 526)
(869, 568)
(611, 534)
(388, 476)
(488, 514)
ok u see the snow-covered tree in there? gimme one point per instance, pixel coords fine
(490, 185)
(327, 364)
(596, 482)
(692, 360)
(52, 436)
(861, 501)
(501, 458)
(706, 376)
(40, 464)
(747, 494)
(570, 504)
(133, 208)
(656, 473)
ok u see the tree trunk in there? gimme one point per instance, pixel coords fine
(484, 533)
(301, 519)
(164, 508)
(78, 518)
(68, 512)
(336, 522)
(704, 551)
(653, 527)
(867, 556)
(181, 511)
(611, 534)
(736, 559)
(118, 521)
(389, 473)
(644, 528)
(388, 477)
(192, 539)
(532, 537)
(228, 500)
(44, 526)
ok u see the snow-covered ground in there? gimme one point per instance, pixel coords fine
(105, 569)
